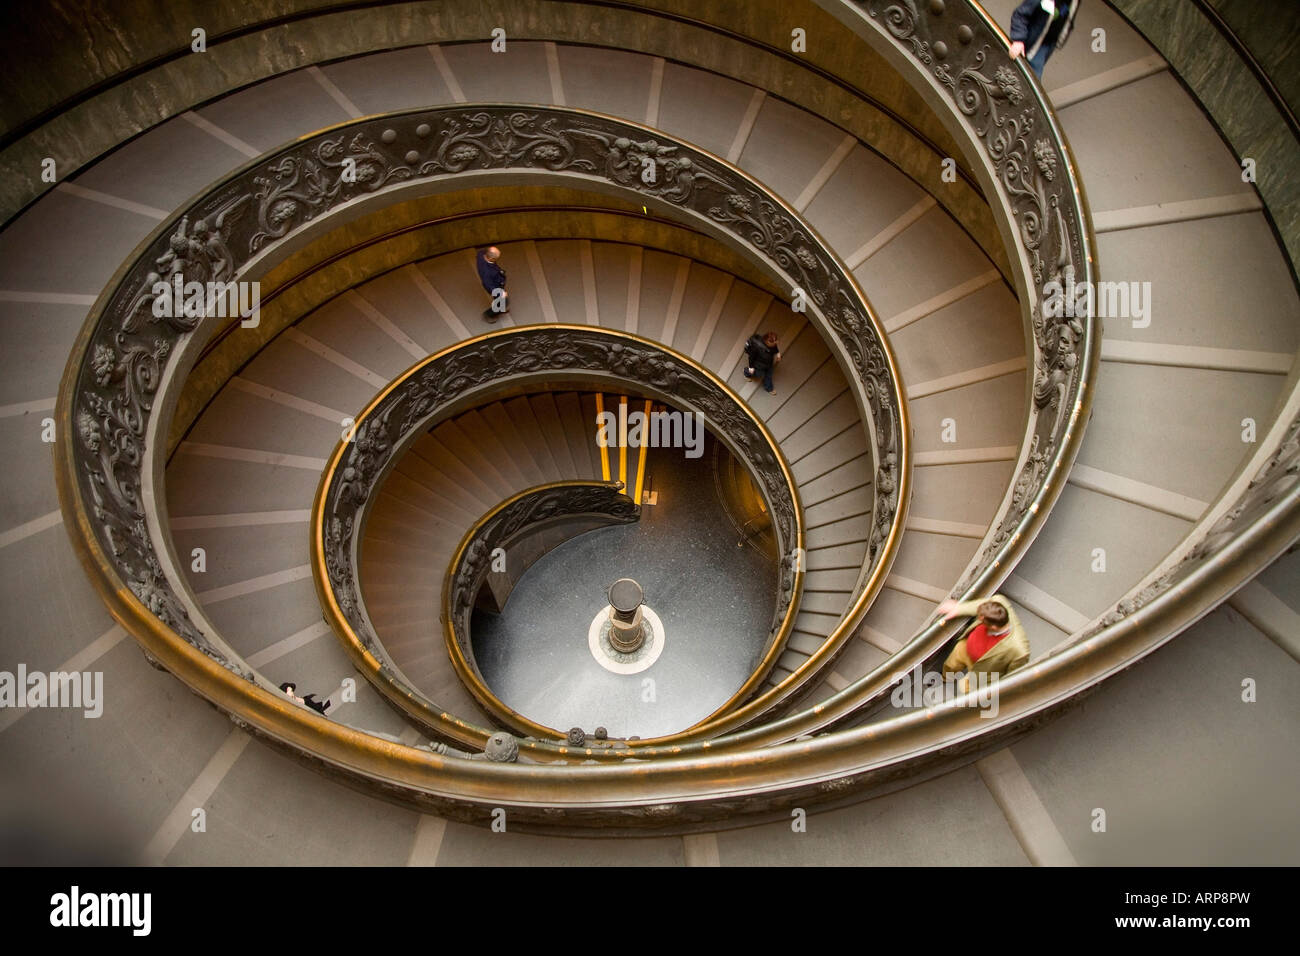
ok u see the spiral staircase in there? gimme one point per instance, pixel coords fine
(1186, 411)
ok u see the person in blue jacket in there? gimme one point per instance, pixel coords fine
(493, 278)
(1041, 27)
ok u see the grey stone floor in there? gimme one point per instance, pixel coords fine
(715, 600)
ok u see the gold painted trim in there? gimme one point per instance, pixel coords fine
(640, 463)
(445, 724)
(622, 440)
(466, 671)
(604, 448)
(757, 774)
(714, 724)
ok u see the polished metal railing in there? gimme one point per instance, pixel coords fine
(470, 373)
(130, 346)
(521, 526)
(958, 58)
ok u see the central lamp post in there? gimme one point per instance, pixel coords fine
(626, 630)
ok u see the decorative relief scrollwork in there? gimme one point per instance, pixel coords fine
(413, 403)
(1025, 155)
(902, 19)
(219, 234)
(490, 140)
(516, 518)
(194, 253)
(297, 187)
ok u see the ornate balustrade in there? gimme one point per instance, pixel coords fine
(518, 526)
(1024, 163)
(958, 60)
(140, 340)
(470, 373)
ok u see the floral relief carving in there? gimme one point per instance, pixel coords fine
(413, 404)
(1020, 148)
(213, 239)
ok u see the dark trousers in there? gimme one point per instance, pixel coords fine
(1039, 59)
(767, 376)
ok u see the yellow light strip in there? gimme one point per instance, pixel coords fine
(622, 439)
(640, 465)
(604, 449)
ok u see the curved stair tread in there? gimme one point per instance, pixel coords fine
(165, 736)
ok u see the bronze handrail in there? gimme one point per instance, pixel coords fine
(718, 787)
(252, 212)
(520, 515)
(467, 372)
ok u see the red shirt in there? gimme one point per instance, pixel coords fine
(979, 642)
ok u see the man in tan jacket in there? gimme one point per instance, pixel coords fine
(996, 645)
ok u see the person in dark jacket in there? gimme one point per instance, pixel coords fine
(309, 701)
(762, 354)
(1041, 27)
(493, 278)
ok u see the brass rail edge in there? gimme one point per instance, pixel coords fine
(678, 793)
(116, 404)
(166, 70)
(469, 372)
(469, 568)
